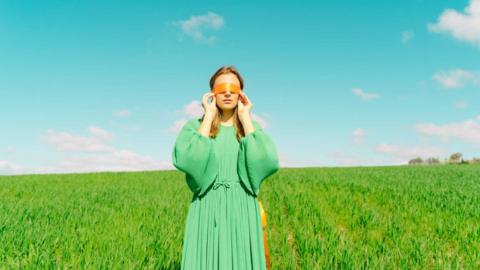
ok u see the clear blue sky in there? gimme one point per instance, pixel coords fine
(104, 85)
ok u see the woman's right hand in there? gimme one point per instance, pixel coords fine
(211, 109)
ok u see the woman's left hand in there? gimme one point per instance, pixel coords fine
(244, 106)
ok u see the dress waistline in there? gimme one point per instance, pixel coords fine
(226, 184)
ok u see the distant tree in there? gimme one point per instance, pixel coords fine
(432, 160)
(463, 162)
(415, 161)
(455, 158)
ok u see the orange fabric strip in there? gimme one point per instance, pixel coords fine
(264, 226)
(222, 87)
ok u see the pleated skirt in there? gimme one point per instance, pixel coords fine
(223, 230)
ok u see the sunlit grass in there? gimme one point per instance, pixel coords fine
(402, 217)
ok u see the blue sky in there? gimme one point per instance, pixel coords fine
(106, 85)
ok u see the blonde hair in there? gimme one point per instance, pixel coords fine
(217, 121)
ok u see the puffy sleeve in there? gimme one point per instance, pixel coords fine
(194, 155)
(257, 158)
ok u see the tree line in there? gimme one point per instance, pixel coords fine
(455, 158)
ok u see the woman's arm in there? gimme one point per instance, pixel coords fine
(194, 155)
(258, 157)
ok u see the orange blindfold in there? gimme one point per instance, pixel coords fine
(223, 87)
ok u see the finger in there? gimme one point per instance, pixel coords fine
(242, 97)
(245, 101)
(208, 101)
(207, 98)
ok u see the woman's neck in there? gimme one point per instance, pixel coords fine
(227, 117)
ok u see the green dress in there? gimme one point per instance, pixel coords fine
(223, 229)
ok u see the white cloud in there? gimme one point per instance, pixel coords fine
(8, 167)
(122, 113)
(101, 133)
(466, 131)
(119, 160)
(116, 160)
(461, 104)
(457, 78)
(193, 109)
(362, 94)
(87, 154)
(67, 142)
(406, 36)
(401, 154)
(8, 150)
(262, 122)
(462, 26)
(196, 26)
(177, 125)
(359, 135)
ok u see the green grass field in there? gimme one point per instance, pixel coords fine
(399, 217)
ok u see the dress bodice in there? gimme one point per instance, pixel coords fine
(226, 149)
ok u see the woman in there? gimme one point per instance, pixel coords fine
(225, 156)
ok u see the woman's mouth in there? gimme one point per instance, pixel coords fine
(227, 100)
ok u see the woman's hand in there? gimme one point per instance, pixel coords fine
(211, 109)
(244, 107)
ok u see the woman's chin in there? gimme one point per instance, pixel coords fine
(227, 107)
